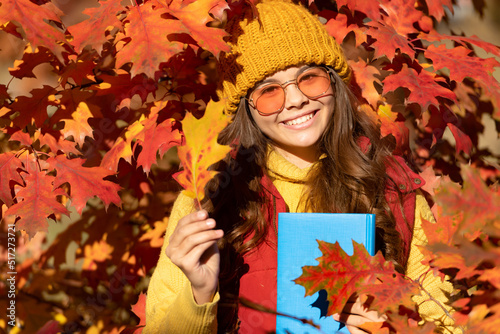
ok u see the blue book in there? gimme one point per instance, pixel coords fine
(297, 247)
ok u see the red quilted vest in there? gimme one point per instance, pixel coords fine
(259, 283)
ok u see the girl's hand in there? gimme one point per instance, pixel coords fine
(193, 248)
(355, 314)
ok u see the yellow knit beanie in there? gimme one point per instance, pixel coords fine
(284, 34)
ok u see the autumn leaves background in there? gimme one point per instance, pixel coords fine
(104, 106)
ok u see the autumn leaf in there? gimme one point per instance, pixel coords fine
(157, 137)
(10, 166)
(394, 290)
(201, 149)
(338, 28)
(388, 41)
(33, 19)
(422, 86)
(148, 45)
(370, 8)
(392, 126)
(194, 17)
(436, 8)
(78, 127)
(58, 144)
(139, 309)
(478, 205)
(92, 31)
(36, 201)
(365, 75)
(34, 107)
(342, 275)
(463, 142)
(99, 251)
(86, 182)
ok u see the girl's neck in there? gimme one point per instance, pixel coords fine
(300, 157)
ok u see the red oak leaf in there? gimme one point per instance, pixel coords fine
(201, 149)
(375, 327)
(478, 205)
(463, 142)
(59, 144)
(342, 275)
(122, 147)
(370, 8)
(123, 87)
(35, 202)
(157, 137)
(33, 19)
(366, 77)
(92, 31)
(139, 309)
(34, 107)
(432, 181)
(397, 9)
(148, 46)
(23, 68)
(436, 8)
(388, 40)
(99, 251)
(433, 36)
(78, 127)
(422, 86)
(391, 126)
(392, 292)
(86, 182)
(10, 165)
(194, 17)
(79, 70)
(338, 28)
(461, 65)
(22, 137)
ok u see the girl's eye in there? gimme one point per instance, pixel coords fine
(308, 77)
(269, 90)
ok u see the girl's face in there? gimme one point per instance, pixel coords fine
(298, 127)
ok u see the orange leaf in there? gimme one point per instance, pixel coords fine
(422, 86)
(201, 149)
(78, 126)
(33, 19)
(10, 166)
(157, 137)
(86, 182)
(36, 201)
(100, 251)
(365, 77)
(92, 30)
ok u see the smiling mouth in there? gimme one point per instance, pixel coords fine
(300, 120)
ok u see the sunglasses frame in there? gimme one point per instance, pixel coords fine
(289, 82)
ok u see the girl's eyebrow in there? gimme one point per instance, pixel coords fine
(271, 80)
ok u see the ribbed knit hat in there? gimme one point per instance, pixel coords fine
(284, 35)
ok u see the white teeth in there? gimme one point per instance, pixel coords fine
(300, 119)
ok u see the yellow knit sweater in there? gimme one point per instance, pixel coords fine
(171, 308)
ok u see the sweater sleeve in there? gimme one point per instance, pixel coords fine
(170, 305)
(439, 290)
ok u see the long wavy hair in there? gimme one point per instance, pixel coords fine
(350, 179)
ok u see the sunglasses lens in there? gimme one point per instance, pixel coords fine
(269, 98)
(313, 82)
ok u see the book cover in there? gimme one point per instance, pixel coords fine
(297, 247)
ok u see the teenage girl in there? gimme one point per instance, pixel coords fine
(300, 145)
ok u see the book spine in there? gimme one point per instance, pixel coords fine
(370, 232)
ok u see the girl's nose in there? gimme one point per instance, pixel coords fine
(294, 98)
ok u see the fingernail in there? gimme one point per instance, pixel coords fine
(210, 222)
(336, 317)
